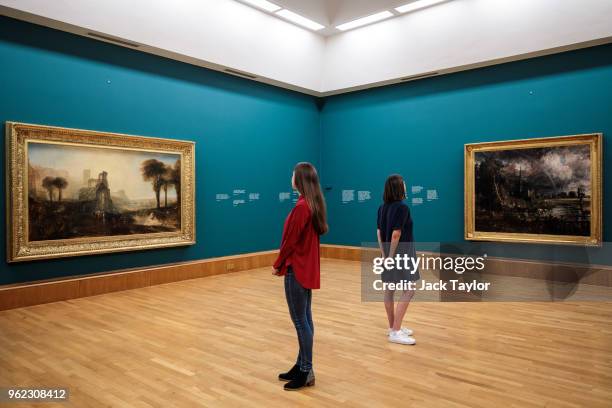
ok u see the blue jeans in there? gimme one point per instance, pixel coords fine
(299, 300)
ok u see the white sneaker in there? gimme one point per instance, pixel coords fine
(401, 338)
(406, 331)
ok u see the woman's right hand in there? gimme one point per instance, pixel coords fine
(276, 272)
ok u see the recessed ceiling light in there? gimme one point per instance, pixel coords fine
(416, 5)
(297, 19)
(365, 20)
(263, 4)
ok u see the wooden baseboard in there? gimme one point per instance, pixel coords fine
(600, 275)
(53, 290)
(346, 252)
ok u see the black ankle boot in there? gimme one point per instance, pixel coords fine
(302, 379)
(289, 375)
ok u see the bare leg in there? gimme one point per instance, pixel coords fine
(389, 306)
(402, 306)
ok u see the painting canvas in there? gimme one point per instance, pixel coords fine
(88, 192)
(536, 190)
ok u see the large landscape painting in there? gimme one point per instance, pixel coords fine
(545, 190)
(88, 192)
(78, 191)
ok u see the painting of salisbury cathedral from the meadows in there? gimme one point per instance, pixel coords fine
(80, 192)
(77, 191)
(535, 190)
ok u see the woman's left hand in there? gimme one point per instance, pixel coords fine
(276, 271)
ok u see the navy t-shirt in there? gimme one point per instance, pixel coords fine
(396, 216)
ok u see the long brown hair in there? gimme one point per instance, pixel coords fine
(307, 183)
(394, 189)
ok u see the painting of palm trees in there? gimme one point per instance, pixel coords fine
(163, 176)
(540, 189)
(91, 189)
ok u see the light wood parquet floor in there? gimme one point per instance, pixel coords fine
(221, 341)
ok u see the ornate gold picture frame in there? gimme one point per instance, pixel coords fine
(77, 192)
(543, 190)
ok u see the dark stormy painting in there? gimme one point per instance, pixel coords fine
(543, 190)
(79, 191)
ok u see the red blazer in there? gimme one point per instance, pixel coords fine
(300, 247)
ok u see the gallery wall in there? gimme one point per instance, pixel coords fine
(248, 135)
(419, 129)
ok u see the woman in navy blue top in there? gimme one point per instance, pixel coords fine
(395, 237)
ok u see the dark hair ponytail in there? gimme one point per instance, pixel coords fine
(307, 183)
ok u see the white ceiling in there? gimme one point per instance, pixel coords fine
(225, 34)
(331, 13)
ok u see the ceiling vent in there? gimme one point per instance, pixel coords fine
(420, 76)
(114, 40)
(239, 73)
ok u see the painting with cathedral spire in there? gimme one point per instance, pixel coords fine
(76, 192)
(545, 190)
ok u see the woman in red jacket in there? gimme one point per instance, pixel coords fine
(299, 261)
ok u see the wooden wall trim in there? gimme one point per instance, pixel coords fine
(600, 275)
(346, 252)
(53, 290)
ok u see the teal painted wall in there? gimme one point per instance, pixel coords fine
(418, 129)
(248, 135)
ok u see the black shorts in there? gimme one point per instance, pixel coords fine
(397, 275)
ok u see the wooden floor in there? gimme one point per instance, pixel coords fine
(221, 341)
